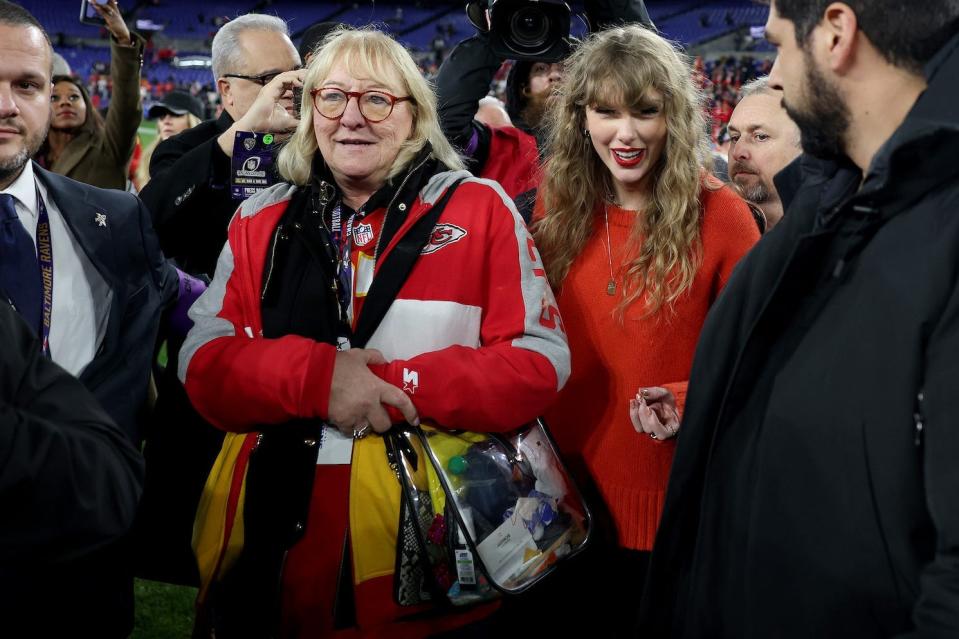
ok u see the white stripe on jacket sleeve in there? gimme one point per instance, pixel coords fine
(543, 331)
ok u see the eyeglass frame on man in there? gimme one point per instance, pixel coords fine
(359, 105)
(263, 79)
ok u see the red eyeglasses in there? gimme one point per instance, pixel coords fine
(375, 106)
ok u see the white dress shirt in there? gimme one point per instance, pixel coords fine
(81, 297)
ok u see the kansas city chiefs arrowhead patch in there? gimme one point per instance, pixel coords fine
(443, 235)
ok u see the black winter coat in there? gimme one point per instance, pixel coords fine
(829, 371)
(188, 196)
(69, 484)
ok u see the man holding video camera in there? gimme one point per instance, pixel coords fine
(536, 36)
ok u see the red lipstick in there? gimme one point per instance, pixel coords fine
(628, 158)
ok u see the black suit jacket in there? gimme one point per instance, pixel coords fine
(69, 484)
(125, 252)
(188, 196)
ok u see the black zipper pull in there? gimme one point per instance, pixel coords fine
(278, 235)
(919, 419)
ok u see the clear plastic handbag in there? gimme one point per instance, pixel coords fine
(490, 513)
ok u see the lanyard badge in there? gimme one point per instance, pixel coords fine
(252, 164)
(45, 259)
(344, 272)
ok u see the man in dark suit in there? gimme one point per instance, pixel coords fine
(189, 189)
(82, 266)
(107, 277)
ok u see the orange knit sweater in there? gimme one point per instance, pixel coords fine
(613, 358)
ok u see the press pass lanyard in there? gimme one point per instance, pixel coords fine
(45, 258)
(344, 244)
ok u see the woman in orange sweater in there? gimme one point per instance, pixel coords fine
(639, 240)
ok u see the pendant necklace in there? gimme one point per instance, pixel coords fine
(611, 286)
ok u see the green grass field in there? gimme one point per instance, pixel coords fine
(163, 611)
(147, 131)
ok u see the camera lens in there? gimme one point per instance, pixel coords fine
(529, 27)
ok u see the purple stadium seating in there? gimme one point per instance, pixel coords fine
(712, 20)
(686, 21)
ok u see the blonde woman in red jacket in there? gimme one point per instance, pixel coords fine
(639, 240)
(470, 340)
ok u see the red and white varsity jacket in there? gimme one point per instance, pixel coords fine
(474, 336)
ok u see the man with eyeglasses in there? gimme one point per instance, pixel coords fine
(256, 68)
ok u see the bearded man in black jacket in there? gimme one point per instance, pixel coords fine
(813, 492)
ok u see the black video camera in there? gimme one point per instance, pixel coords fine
(524, 29)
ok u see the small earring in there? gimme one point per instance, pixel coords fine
(586, 133)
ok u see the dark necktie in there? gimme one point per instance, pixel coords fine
(19, 270)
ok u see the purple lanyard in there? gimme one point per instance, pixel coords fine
(45, 258)
(344, 244)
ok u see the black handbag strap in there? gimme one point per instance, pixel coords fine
(392, 273)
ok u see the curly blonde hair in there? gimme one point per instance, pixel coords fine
(371, 53)
(620, 66)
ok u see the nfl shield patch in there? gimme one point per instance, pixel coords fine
(362, 234)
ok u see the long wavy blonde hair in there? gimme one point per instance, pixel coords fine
(369, 53)
(620, 66)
